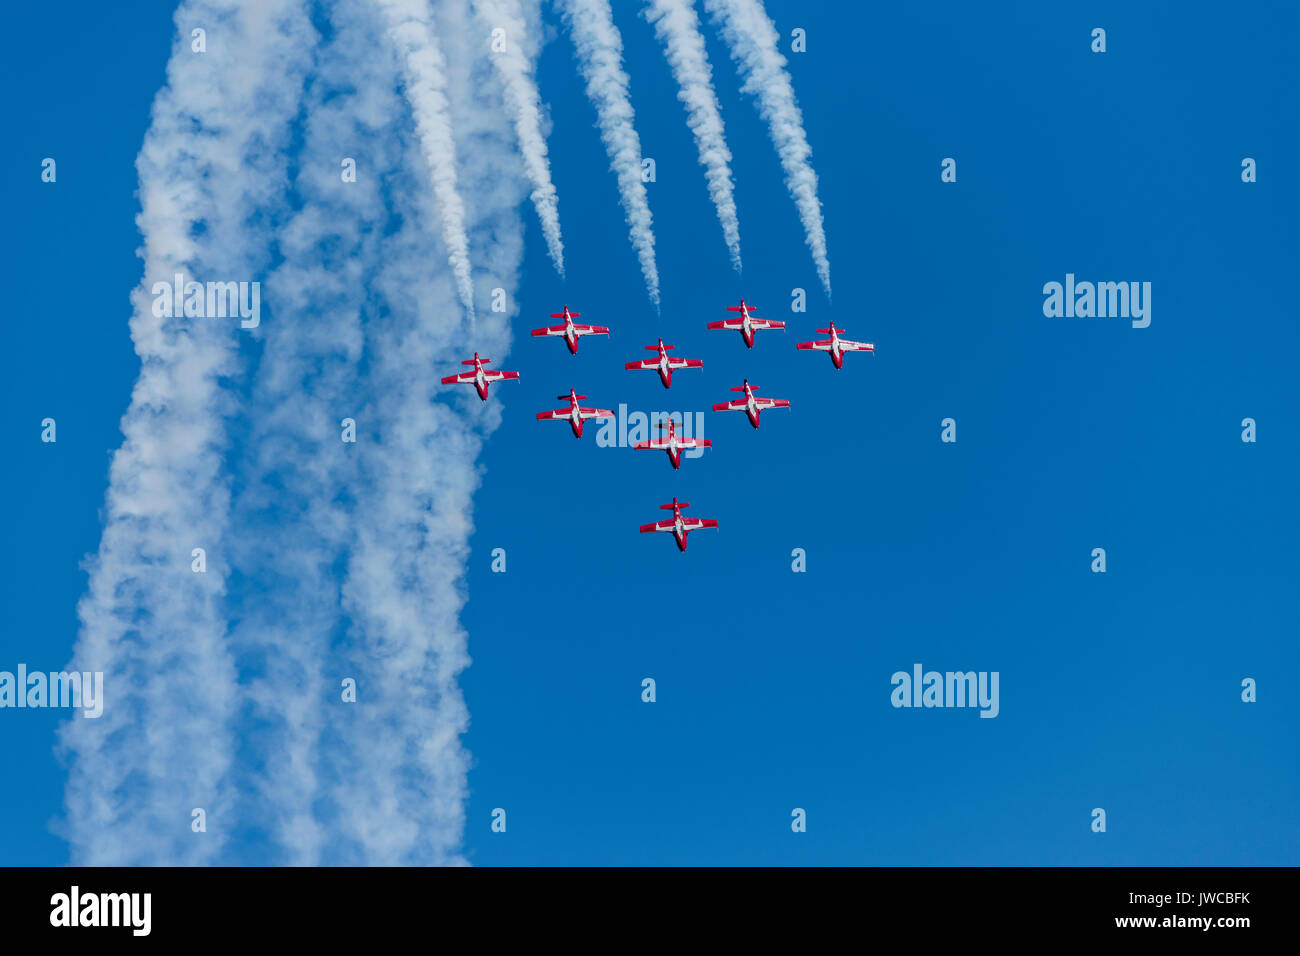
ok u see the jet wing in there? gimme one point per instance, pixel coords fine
(771, 402)
(659, 444)
(586, 413)
(591, 329)
(644, 363)
(821, 345)
(848, 346)
(685, 363)
(549, 330)
(559, 414)
(659, 526)
(734, 406)
(496, 375)
(457, 379)
(753, 324)
(695, 524)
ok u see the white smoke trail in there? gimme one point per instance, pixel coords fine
(678, 27)
(371, 538)
(424, 67)
(753, 42)
(211, 166)
(600, 55)
(294, 514)
(514, 63)
(383, 780)
(401, 799)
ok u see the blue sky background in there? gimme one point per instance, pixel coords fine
(1119, 690)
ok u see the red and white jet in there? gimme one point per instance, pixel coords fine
(572, 331)
(665, 363)
(747, 323)
(751, 405)
(575, 414)
(679, 526)
(480, 377)
(672, 443)
(836, 345)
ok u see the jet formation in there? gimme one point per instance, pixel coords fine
(664, 364)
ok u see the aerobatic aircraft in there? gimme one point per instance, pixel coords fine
(664, 363)
(751, 404)
(747, 323)
(678, 525)
(836, 346)
(572, 331)
(480, 377)
(672, 443)
(575, 414)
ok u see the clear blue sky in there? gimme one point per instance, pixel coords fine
(1118, 690)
